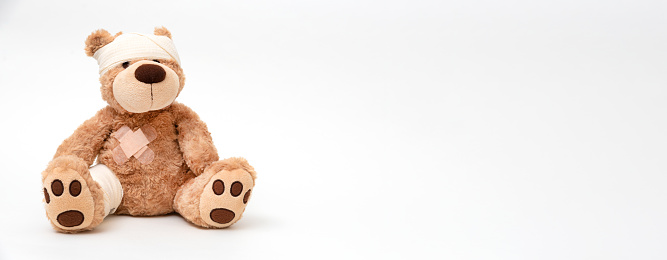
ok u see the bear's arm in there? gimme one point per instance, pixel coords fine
(194, 139)
(87, 140)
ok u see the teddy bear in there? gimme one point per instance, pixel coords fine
(153, 155)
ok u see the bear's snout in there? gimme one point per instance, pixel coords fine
(145, 86)
(150, 73)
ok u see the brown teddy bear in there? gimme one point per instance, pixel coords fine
(154, 155)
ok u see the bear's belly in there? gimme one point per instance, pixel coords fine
(148, 187)
(148, 193)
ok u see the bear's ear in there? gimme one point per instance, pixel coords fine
(161, 31)
(97, 40)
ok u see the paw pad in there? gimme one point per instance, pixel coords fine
(70, 218)
(57, 187)
(237, 188)
(246, 197)
(47, 198)
(75, 188)
(222, 216)
(69, 201)
(220, 207)
(218, 187)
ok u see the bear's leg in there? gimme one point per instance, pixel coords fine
(217, 198)
(77, 198)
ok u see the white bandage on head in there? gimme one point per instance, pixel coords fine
(131, 46)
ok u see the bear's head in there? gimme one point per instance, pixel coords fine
(139, 73)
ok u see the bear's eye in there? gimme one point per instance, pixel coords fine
(156, 61)
(126, 64)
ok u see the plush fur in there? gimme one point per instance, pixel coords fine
(183, 150)
(162, 32)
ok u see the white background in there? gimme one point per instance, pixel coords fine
(379, 129)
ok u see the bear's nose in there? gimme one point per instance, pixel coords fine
(150, 73)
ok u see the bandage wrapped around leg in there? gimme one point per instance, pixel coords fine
(113, 191)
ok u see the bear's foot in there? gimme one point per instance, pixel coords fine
(74, 201)
(218, 197)
(224, 197)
